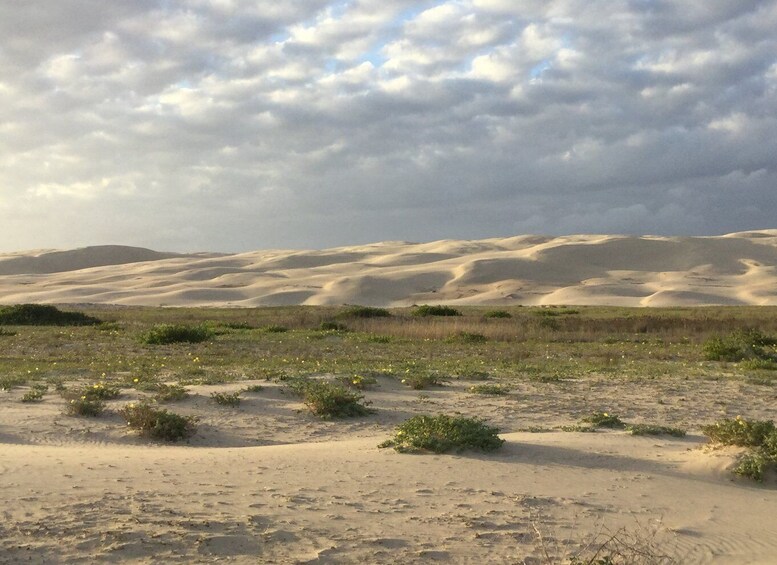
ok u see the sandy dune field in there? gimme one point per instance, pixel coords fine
(269, 483)
(582, 270)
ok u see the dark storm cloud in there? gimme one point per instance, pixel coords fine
(233, 124)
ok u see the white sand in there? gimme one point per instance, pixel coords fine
(577, 270)
(266, 483)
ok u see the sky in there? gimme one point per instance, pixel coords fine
(237, 125)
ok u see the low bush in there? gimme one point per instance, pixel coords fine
(759, 436)
(604, 420)
(36, 392)
(468, 337)
(84, 406)
(170, 393)
(226, 398)
(332, 326)
(253, 388)
(364, 312)
(275, 329)
(361, 382)
(738, 346)
(440, 434)
(163, 334)
(158, 424)
(101, 391)
(427, 310)
(328, 400)
(8, 382)
(497, 314)
(43, 315)
(420, 381)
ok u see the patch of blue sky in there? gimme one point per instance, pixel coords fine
(537, 70)
(279, 37)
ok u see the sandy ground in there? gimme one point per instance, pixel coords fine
(267, 482)
(578, 270)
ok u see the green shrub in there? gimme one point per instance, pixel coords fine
(36, 392)
(101, 391)
(654, 430)
(253, 388)
(497, 314)
(275, 329)
(328, 400)
(469, 337)
(332, 326)
(738, 431)
(759, 365)
(170, 393)
(603, 420)
(760, 437)
(7, 382)
(84, 406)
(427, 310)
(494, 390)
(738, 346)
(364, 312)
(158, 424)
(43, 315)
(226, 398)
(443, 433)
(163, 334)
(361, 382)
(420, 381)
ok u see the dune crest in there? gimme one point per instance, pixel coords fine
(738, 268)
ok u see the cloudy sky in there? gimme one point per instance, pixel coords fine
(232, 125)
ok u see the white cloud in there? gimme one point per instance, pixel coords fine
(236, 124)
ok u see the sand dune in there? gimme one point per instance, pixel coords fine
(738, 268)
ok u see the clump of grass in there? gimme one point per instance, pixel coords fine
(253, 388)
(469, 337)
(8, 382)
(364, 312)
(361, 382)
(427, 310)
(373, 338)
(489, 389)
(546, 378)
(758, 365)
(101, 391)
(759, 436)
(5, 332)
(170, 392)
(43, 315)
(36, 392)
(604, 420)
(163, 334)
(443, 433)
(328, 400)
(275, 329)
(497, 314)
(84, 406)
(332, 326)
(226, 398)
(738, 346)
(158, 424)
(420, 381)
(474, 375)
(654, 430)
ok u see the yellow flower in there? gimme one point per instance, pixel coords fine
(135, 380)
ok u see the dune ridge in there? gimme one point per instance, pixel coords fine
(737, 268)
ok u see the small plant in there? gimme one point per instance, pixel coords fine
(8, 382)
(440, 434)
(364, 312)
(36, 392)
(84, 406)
(497, 314)
(654, 430)
(275, 329)
(469, 337)
(43, 315)
(170, 393)
(163, 334)
(759, 436)
(427, 310)
(545, 378)
(328, 400)
(604, 420)
(226, 398)
(158, 424)
(420, 381)
(332, 326)
(758, 365)
(738, 346)
(101, 391)
(361, 382)
(489, 389)
(253, 388)
(5, 332)
(372, 338)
